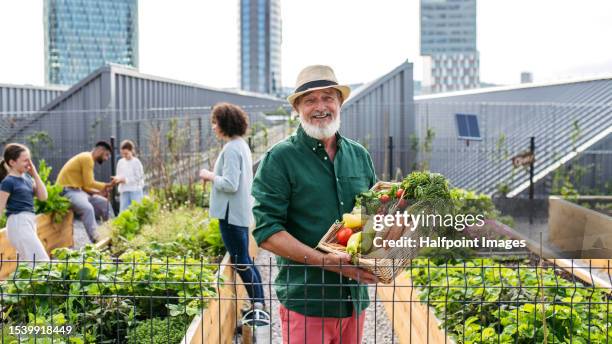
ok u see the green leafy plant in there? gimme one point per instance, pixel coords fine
(470, 202)
(484, 301)
(159, 331)
(142, 287)
(128, 224)
(182, 195)
(37, 141)
(55, 205)
(194, 234)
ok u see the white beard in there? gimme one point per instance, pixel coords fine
(321, 133)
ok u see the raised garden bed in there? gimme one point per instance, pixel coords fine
(128, 286)
(499, 304)
(215, 323)
(52, 234)
(580, 231)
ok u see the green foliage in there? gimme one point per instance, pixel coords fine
(481, 301)
(128, 224)
(2, 220)
(423, 149)
(567, 179)
(575, 133)
(159, 331)
(426, 186)
(56, 205)
(182, 195)
(279, 111)
(193, 234)
(142, 287)
(37, 141)
(469, 202)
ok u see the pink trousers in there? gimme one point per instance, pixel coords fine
(300, 329)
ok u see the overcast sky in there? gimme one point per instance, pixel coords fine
(197, 40)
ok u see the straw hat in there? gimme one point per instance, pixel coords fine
(314, 78)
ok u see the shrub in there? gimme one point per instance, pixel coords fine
(159, 331)
(129, 223)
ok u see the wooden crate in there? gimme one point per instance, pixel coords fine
(52, 235)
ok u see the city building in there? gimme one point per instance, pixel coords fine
(260, 46)
(83, 35)
(451, 61)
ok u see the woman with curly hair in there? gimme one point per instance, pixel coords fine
(230, 196)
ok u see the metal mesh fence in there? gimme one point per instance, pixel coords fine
(133, 299)
(575, 137)
(181, 137)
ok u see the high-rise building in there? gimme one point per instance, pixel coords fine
(260, 46)
(448, 45)
(83, 35)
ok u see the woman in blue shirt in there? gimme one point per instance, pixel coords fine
(230, 196)
(20, 182)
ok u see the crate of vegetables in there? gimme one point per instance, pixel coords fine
(379, 246)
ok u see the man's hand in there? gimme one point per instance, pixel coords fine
(116, 180)
(285, 245)
(341, 263)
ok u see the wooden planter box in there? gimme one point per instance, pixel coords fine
(218, 321)
(416, 323)
(52, 235)
(581, 230)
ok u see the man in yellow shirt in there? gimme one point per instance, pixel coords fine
(85, 193)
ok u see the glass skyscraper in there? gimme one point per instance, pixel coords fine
(448, 45)
(83, 35)
(260, 46)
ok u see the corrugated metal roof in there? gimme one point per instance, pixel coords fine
(565, 117)
(18, 103)
(130, 95)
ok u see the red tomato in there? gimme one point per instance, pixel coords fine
(399, 193)
(402, 204)
(384, 198)
(343, 235)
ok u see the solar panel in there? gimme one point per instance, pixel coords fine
(467, 126)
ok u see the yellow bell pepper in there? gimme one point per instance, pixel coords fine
(352, 221)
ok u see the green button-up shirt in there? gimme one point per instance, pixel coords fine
(298, 189)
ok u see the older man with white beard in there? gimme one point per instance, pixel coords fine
(303, 184)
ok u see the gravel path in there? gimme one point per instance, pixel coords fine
(79, 235)
(378, 331)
